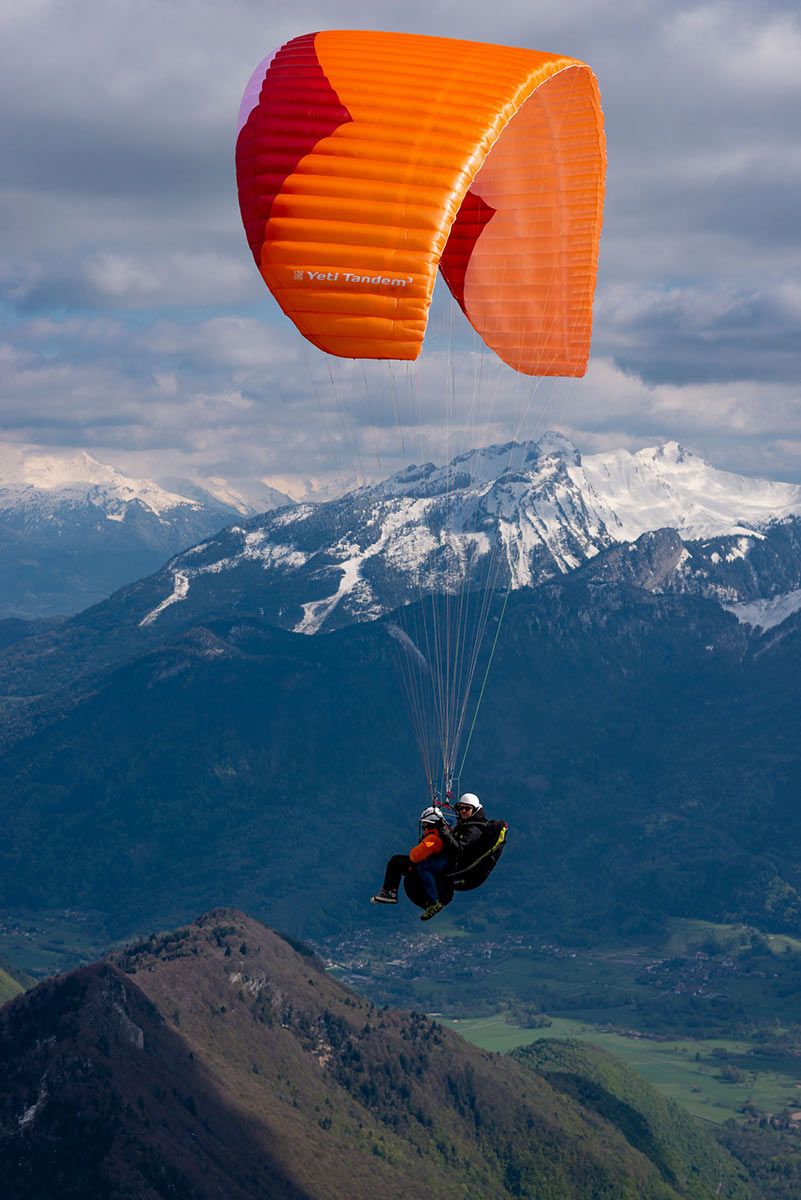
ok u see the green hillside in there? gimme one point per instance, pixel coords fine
(683, 1152)
(12, 982)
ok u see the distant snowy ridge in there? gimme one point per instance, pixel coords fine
(510, 515)
(30, 478)
(631, 493)
(246, 499)
(74, 529)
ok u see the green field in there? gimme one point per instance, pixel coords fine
(670, 1066)
(9, 986)
(43, 944)
(687, 935)
(718, 992)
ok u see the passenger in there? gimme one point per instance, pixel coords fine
(431, 858)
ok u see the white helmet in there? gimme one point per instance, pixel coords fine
(472, 800)
(431, 816)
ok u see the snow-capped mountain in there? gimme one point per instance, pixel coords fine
(505, 516)
(669, 487)
(72, 528)
(46, 485)
(247, 499)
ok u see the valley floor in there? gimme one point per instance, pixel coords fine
(688, 1071)
(707, 1015)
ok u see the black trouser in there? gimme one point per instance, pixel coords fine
(429, 871)
(398, 866)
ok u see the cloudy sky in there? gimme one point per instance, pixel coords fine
(134, 324)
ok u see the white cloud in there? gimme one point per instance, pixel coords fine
(176, 279)
(318, 424)
(117, 197)
(753, 49)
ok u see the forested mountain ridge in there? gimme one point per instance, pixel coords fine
(218, 1057)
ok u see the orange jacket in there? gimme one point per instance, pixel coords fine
(429, 845)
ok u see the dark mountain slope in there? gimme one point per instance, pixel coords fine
(14, 629)
(219, 1061)
(229, 765)
(656, 745)
(645, 749)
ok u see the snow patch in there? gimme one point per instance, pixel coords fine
(739, 550)
(766, 614)
(180, 591)
(316, 611)
(272, 554)
(214, 568)
(29, 1114)
(400, 635)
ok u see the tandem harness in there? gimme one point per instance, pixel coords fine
(472, 876)
(469, 877)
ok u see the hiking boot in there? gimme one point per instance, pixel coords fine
(432, 911)
(385, 896)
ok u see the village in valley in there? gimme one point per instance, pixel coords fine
(711, 1022)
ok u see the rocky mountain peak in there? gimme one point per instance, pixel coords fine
(557, 444)
(672, 452)
(647, 563)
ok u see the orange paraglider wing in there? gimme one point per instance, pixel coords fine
(366, 160)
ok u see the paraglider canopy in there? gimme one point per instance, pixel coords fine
(368, 160)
